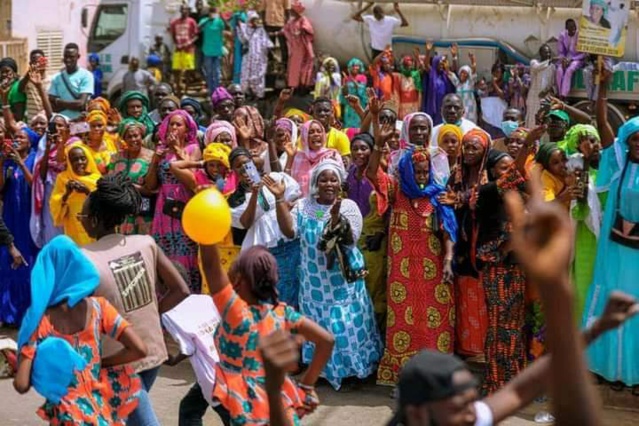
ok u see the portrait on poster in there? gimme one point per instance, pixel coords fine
(603, 26)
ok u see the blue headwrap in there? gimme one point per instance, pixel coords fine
(411, 189)
(61, 273)
(34, 138)
(94, 57)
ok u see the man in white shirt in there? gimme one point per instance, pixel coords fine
(452, 113)
(380, 26)
(137, 79)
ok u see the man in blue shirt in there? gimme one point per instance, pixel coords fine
(212, 29)
(72, 87)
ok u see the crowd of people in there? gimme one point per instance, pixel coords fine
(383, 221)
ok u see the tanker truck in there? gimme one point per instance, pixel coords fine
(512, 30)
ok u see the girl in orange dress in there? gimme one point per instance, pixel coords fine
(247, 302)
(64, 327)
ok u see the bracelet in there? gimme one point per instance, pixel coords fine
(279, 200)
(307, 388)
(448, 259)
(377, 148)
(287, 171)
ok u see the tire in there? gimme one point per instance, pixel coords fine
(616, 113)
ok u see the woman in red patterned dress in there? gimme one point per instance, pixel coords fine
(421, 312)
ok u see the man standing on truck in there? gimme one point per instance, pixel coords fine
(184, 31)
(381, 26)
(212, 28)
(72, 87)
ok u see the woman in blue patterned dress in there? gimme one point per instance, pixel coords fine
(332, 288)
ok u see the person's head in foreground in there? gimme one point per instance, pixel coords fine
(436, 389)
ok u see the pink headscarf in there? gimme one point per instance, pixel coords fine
(191, 126)
(220, 94)
(305, 159)
(217, 128)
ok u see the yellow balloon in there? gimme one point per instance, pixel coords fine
(207, 217)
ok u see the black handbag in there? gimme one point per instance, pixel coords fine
(624, 232)
(173, 208)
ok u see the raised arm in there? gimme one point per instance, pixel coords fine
(358, 16)
(401, 15)
(214, 273)
(284, 217)
(248, 217)
(606, 133)
(575, 114)
(151, 181)
(183, 172)
(380, 141)
(9, 119)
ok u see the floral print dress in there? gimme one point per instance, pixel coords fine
(97, 396)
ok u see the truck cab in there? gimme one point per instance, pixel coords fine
(121, 29)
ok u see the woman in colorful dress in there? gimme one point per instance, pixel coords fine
(63, 328)
(354, 84)
(465, 85)
(134, 160)
(502, 279)
(136, 105)
(101, 147)
(328, 83)
(314, 151)
(470, 175)
(373, 240)
(178, 141)
(582, 145)
(384, 79)
(221, 131)
(449, 140)
(613, 356)
(410, 87)
(299, 37)
(436, 85)
(72, 186)
(422, 232)
(49, 162)
(332, 288)
(248, 303)
(254, 62)
(16, 165)
(554, 174)
(253, 210)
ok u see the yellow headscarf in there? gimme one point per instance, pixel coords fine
(291, 112)
(97, 115)
(449, 128)
(217, 152)
(99, 104)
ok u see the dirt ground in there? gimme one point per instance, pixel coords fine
(369, 406)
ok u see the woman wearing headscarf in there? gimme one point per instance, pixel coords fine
(100, 145)
(16, 168)
(436, 86)
(60, 343)
(194, 108)
(582, 145)
(502, 279)
(463, 191)
(98, 76)
(554, 175)
(134, 161)
(410, 87)
(250, 128)
(49, 162)
(613, 356)
(136, 105)
(416, 130)
(256, 43)
(253, 210)
(299, 33)
(373, 241)
(178, 141)
(314, 151)
(72, 186)
(332, 288)
(449, 140)
(285, 141)
(221, 131)
(16, 99)
(384, 79)
(465, 86)
(223, 105)
(328, 83)
(354, 84)
(420, 292)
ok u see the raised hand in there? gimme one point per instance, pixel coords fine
(374, 103)
(386, 131)
(454, 49)
(276, 188)
(556, 103)
(242, 128)
(396, 7)
(543, 238)
(472, 58)
(353, 100)
(619, 308)
(34, 76)
(335, 211)
(285, 95)
(429, 46)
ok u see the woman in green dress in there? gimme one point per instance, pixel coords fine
(134, 160)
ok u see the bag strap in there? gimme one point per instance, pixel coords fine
(67, 84)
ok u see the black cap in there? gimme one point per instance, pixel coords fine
(428, 377)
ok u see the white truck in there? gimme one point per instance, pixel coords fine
(510, 29)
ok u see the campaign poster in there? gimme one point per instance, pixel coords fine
(603, 26)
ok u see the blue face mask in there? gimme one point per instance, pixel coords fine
(508, 127)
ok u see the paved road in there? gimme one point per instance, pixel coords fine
(369, 406)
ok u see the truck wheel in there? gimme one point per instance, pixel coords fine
(616, 113)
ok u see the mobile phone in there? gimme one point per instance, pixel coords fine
(252, 173)
(52, 129)
(79, 128)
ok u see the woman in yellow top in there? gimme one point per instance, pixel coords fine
(99, 142)
(449, 140)
(72, 186)
(554, 174)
